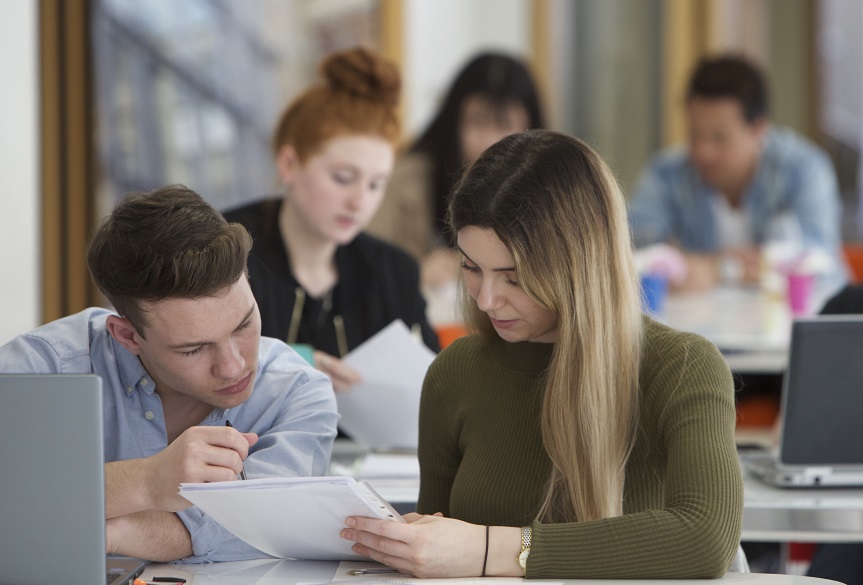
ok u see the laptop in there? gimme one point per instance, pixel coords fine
(821, 418)
(52, 484)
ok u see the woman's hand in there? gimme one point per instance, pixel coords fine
(427, 546)
(342, 375)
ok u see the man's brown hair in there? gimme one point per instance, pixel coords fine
(734, 77)
(168, 243)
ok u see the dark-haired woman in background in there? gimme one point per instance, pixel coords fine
(317, 278)
(493, 96)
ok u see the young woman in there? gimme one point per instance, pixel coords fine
(569, 436)
(493, 96)
(317, 278)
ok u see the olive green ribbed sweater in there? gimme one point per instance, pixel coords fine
(482, 459)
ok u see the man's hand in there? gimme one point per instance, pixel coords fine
(702, 273)
(199, 454)
(749, 261)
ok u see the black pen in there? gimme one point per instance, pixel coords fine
(371, 571)
(242, 471)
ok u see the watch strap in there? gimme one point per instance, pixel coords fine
(526, 533)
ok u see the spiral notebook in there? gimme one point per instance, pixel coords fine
(290, 517)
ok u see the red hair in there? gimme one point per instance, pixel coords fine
(358, 95)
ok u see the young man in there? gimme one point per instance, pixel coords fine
(181, 356)
(740, 184)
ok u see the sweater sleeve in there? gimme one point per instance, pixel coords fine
(688, 406)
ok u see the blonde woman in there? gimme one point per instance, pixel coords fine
(569, 436)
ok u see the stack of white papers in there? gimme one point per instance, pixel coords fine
(382, 412)
(295, 517)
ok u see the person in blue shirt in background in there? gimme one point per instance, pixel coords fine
(740, 184)
(181, 356)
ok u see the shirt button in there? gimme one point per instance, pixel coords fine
(148, 415)
(144, 381)
(129, 390)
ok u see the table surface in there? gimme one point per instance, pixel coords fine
(280, 572)
(752, 328)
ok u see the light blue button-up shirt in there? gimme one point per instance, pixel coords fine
(794, 179)
(292, 409)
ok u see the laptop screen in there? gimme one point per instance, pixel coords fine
(53, 480)
(822, 400)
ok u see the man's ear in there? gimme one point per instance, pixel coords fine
(287, 163)
(759, 127)
(125, 333)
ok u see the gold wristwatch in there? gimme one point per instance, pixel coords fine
(525, 548)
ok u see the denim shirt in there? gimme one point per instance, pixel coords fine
(292, 409)
(794, 179)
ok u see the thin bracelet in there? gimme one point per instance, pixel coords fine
(485, 558)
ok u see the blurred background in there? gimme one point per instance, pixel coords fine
(103, 97)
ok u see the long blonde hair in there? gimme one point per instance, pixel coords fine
(558, 209)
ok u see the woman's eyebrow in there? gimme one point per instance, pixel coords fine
(493, 269)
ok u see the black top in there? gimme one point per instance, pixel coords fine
(848, 300)
(377, 283)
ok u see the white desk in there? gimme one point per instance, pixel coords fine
(750, 327)
(273, 572)
(801, 515)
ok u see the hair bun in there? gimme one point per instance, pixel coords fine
(363, 73)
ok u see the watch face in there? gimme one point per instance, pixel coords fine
(522, 558)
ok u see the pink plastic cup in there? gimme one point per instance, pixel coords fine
(800, 293)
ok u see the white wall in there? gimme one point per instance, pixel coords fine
(20, 291)
(440, 36)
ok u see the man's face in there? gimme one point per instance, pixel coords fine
(205, 348)
(724, 147)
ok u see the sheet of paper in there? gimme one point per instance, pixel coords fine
(382, 412)
(297, 518)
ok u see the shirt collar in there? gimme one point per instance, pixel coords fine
(131, 371)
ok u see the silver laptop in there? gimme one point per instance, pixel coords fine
(821, 441)
(52, 484)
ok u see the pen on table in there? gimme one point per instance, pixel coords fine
(371, 571)
(158, 581)
(242, 470)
